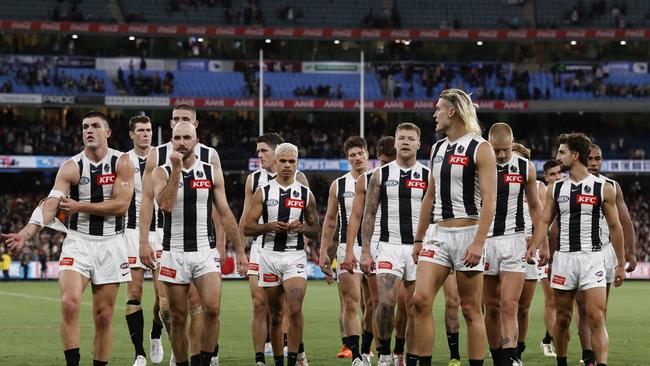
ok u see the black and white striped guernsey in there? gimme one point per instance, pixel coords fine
(527, 218)
(95, 185)
(400, 199)
(203, 153)
(260, 178)
(454, 170)
(345, 192)
(509, 217)
(284, 204)
(133, 221)
(604, 228)
(188, 227)
(579, 208)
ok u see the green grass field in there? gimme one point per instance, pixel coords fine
(29, 315)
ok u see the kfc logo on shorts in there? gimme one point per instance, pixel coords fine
(253, 267)
(291, 203)
(67, 261)
(132, 260)
(105, 179)
(586, 199)
(513, 178)
(458, 160)
(270, 277)
(559, 280)
(158, 254)
(427, 253)
(385, 265)
(416, 184)
(200, 183)
(168, 272)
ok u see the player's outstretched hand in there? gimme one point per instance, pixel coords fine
(15, 242)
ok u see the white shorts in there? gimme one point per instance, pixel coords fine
(543, 272)
(578, 270)
(340, 258)
(397, 260)
(277, 267)
(132, 239)
(446, 246)
(505, 254)
(532, 274)
(254, 260)
(182, 267)
(101, 259)
(610, 262)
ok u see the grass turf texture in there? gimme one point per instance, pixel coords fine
(29, 316)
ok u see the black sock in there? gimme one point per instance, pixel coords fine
(344, 341)
(72, 357)
(100, 363)
(411, 359)
(215, 353)
(195, 360)
(384, 346)
(452, 342)
(182, 363)
(259, 357)
(279, 360)
(521, 347)
(508, 355)
(268, 338)
(496, 355)
(206, 358)
(135, 322)
(475, 362)
(286, 340)
(353, 345)
(399, 345)
(292, 358)
(561, 361)
(425, 360)
(366, 341)
(547, 338)
(156, 329)
(601, 364)
(588, 355)
(301, 347)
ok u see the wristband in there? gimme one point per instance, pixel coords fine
(418, 241)
(56, 194)
(37, 217)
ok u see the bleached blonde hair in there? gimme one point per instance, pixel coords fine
(466, 109)
(286, 147)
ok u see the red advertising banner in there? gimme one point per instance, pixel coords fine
(326, 33)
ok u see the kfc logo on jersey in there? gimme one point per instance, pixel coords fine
(586, 199)
(200, 183)
(559, 280)
(416, 184)
(459, 160)
(105, 179)
(167, 272)
(513, 178)
(291, 203)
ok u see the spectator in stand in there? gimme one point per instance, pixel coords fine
(6, 263)
(25, 259)
(43, 256)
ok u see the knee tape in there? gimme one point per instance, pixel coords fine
(195, 311)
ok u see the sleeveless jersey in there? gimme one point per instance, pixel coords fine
(604, 228)
(345, 192)
(285, 204)
(527, 218)
(511, 188)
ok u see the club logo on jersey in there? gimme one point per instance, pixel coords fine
(253, 267)
(563, 199)
(586, 199)
(587, 189)
(296, 194)
(137, 170)
(513, 168)
(427, 253)
(460, 149)
(270, 277)
(105, 179)
(131, 260)
(291, 203)
(180, 183)
(437, 159)
(83, 181)
(348, 194)
(67, 261)
(167, 272)
(458, 160)
(513, 178)
(390, 183)
(416, 184)
(107, 168)
(200, 183)
(385, 265)
(271, 202)
(559, 280)
(416, 175)
(199, 174)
